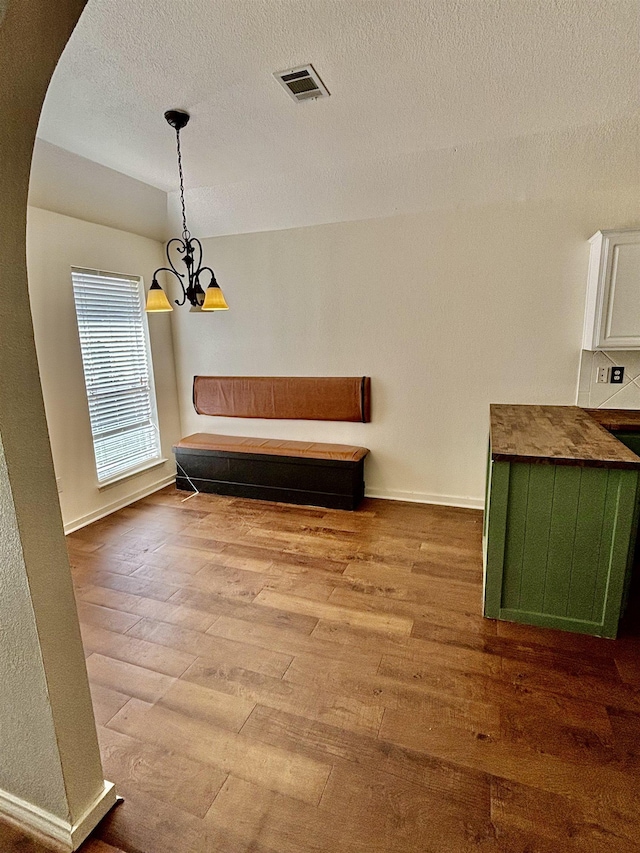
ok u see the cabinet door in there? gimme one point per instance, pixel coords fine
(613, 302)
(559, 545)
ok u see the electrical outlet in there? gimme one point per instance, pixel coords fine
(617, 375)
(59, 484)
(602, 374)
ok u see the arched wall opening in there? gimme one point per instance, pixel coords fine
(51, 780)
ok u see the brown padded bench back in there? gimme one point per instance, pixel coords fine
(312, 398)
(271, 447)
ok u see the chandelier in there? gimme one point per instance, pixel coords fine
(188, 250)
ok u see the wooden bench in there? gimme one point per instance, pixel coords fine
(300, 472)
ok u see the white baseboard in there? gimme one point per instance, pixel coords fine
(77, 523)
(425, 498)
(103, 803)
(49, 828)
(386, 494)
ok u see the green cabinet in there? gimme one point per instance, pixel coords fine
(558, 544)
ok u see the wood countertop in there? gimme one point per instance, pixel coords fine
(618, 420)
(565, 435)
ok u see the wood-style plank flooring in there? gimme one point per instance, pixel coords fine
(14, 841)
(282, 679)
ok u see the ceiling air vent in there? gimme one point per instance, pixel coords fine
(303, 83)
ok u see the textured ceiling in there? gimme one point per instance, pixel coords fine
(406, 79)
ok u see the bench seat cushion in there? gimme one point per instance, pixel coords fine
(298, 472)
(203, 441)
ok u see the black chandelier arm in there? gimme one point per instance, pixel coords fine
(195, 244)
(213, 277)
(181, 248)
(172, 271)
(195, 292)
(178, 276)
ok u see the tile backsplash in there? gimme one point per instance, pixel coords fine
(604, 395)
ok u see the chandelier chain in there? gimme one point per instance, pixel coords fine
(185, 230)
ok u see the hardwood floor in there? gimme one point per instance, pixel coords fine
(280, 679)
(14, 841)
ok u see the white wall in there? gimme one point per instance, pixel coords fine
(55, 243)
(446, 310)
(67, 183)
(24, 702)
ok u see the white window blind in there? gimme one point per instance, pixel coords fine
(117, 371)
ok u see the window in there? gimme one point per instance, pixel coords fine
(118, 374)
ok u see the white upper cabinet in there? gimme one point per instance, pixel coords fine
(612, 315)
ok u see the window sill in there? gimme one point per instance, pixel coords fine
(154, 463)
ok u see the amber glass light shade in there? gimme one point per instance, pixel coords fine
(157, 299)
(214, 299)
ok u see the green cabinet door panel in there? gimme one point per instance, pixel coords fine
(558, 544)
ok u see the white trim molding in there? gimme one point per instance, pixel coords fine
(425, 498)
(103, 803)
(48, 827)
(77, 523)
(147, 466)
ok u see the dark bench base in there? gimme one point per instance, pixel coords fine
(334, 484)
